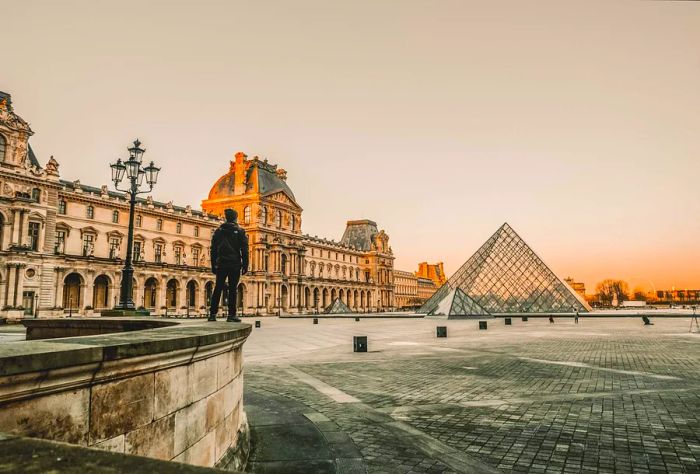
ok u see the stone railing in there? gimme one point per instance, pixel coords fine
(171, 393)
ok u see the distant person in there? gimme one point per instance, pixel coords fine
(229, 259)
(576, 317)
(551, 319)
(646, 320)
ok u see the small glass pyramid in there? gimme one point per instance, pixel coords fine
(337, 307)
(457, 303)
(505, 276)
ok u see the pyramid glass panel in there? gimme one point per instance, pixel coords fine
(506, 276)
(338, 307)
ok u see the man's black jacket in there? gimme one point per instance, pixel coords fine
(229, 247)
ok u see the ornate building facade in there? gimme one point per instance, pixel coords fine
(62, 243)
(291, 271)
(406, 289)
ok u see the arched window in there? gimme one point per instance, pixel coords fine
(2, 148)
(159, 224)
(115, 217)
(90, 212)
(263, 215)
(178, 228)
(62, 206)
(246, 215)
(278, 219)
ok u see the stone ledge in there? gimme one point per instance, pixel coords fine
(32, 356)
(21, 454)
(55, 328)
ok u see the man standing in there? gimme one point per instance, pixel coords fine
(229, 259)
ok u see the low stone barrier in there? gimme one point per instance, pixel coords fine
(171, 393)
(53, 328)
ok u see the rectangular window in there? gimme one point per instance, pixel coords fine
(34, 235)
(60, 245)
(137, 252)
(159, 253)
(115, 217)
(178, 256)
(159, 224)
(61, 206)
(138, 221)
(178, 228)
(196, 231)
(195, 257)
(113, 247)
(88, 245)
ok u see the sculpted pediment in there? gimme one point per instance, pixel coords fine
(281, 197)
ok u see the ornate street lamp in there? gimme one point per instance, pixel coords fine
(135, 175)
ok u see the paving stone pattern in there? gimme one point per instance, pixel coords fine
(602, 396)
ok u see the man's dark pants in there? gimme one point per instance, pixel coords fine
(233, 275)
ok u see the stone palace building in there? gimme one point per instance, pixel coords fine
(62, 243)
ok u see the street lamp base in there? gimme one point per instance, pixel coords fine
(120, 313)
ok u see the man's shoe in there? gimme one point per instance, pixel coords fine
(211, 319)
(233, 320)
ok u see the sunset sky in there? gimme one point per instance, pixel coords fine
(577, 123)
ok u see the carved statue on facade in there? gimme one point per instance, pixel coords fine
(52, 167)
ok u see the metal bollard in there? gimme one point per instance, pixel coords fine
(359, 343)
(315, 320)
(257, 324)
(442, 331)
(482, 325)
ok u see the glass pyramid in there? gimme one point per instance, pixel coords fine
(457, 303)
(337, 307)
(506, 276)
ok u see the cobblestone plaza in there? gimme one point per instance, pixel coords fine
(606, 395)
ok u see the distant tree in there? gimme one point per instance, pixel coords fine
(639, 294)
(610, 290)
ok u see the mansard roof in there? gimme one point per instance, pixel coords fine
(360, 234)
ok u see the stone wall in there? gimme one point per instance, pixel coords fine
(171, 393)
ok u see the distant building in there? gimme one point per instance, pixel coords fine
(577, 286)
(676, 296)
(434, 272)
(406, 289)
(426, 289)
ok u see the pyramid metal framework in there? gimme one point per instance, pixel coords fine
(337, 307)
(506, 276)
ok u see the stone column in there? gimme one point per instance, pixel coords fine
(89, 291)
(58, 297)
(162, 294)
(10, 284)
(182, 294)
(19, 283)
(16, 217)
(24, 236)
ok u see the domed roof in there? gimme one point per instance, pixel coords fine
(250, 176)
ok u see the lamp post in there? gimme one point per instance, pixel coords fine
(135, 175)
